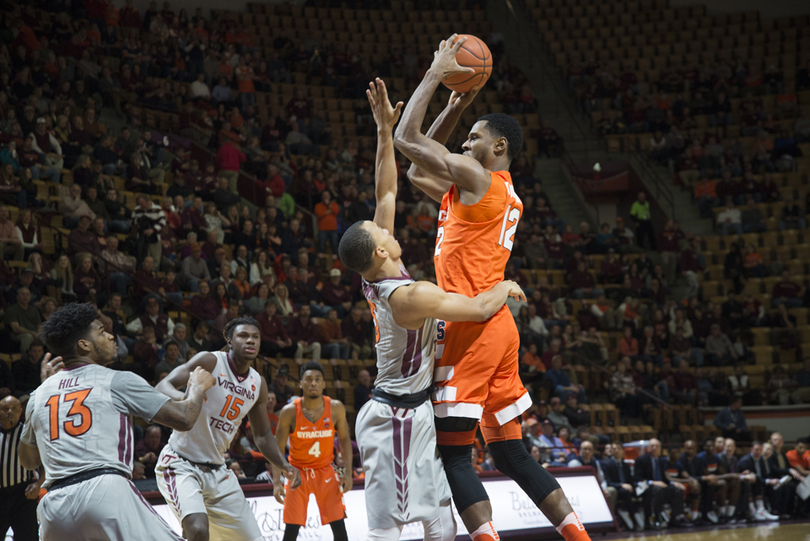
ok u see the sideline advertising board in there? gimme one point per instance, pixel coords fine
(515, 516)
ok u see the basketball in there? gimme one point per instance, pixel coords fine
(473, 54)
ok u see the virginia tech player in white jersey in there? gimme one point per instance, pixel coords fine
(227, 403)
(395, 430)
(79, 427)
(191, 474)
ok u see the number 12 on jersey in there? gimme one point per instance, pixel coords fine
(511, 217)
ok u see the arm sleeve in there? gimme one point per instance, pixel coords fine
(131, 395)
(28, 435)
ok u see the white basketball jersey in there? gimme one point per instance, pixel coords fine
(404, 357)
(227, 404)
(81, 419)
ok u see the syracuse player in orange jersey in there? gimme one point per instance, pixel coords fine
(477, 363)
(310, 423)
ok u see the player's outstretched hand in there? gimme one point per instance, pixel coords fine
(385, 115)
(515, 291)
(50, 367)
(462, 101)
(293, 475)
(444, 59)
(202, 378)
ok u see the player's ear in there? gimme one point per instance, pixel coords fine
(500, 146)
(381, 252)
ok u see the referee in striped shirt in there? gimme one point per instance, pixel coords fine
(18, 488)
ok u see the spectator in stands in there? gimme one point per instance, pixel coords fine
(362, 392)
(26, 370)
(327, 212)
(685, 385)
(651, 468)
(330, 335)
(557, 415)
(171, 360)
(199, 340)
(229, 159)
(583, 284)
(82, 240)
(336, 295)
(23, 320)
(731, 421)
(752, 219)
(792, 216)
(162, 325)
(148, 449)
(730, 219)
(560, 381)
(354, 329)
(149, 220)
(786, 291)
(623, 391)
(303, 332)
(719, 349)
(640, 212)
(194, 269)
(692, 262)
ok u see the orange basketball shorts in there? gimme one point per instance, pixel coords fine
(325, 484)
(476, 371)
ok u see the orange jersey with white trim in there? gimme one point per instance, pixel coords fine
(312, 445)
(474, 242)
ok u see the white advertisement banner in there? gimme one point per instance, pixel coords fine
(512, 511)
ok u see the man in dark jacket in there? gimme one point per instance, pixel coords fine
(754, 464)
(619, 480)
(651, 470)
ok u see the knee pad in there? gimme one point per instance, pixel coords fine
(512, 459)
(464, 482)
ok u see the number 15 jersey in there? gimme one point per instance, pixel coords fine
(225, 406)
(474, 242)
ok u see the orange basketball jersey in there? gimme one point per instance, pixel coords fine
(312, 445)
(474, 242)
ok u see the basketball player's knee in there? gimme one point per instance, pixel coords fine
(195, 527)
(467, 488)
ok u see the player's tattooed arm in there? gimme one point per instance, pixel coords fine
(344, 436)
(265, 440)
(385, 179)
(430, 156)
(182, 414)
(440, 131)
(412, 304)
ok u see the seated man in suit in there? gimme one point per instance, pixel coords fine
(753, 463)
(782, 496)
(726, 460)
(651, 469)
(619, 480)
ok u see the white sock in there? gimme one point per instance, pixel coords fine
(760, 505)
(570, 519)
(731, 510)
(486, 529)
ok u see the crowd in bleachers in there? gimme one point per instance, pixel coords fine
(169, 248)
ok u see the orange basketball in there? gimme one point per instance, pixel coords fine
(473, 54)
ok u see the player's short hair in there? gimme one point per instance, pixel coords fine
(227, 332)
(503, 125)
(357, 248)
(66, 326)
(311, 365)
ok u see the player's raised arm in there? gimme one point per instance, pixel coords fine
(385, 178)
(178, 377)
(412, 304)
(431, 156)
(440, 131)
(265, 440)
(182, 414)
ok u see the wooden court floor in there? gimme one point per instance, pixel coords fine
(768, 532)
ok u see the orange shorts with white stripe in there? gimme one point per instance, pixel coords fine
(476, 372)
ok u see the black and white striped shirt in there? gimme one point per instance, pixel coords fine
(11, 471)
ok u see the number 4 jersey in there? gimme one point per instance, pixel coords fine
(81, 419)
(226, 405)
